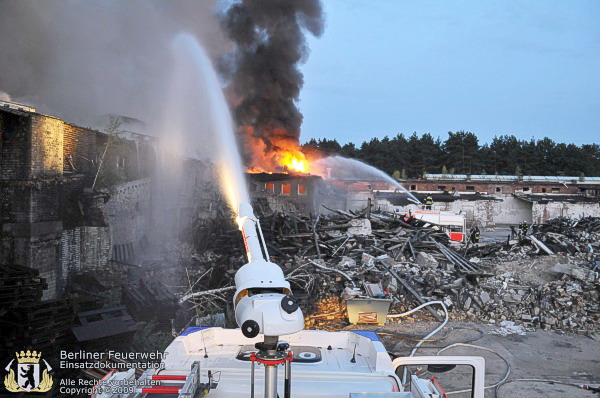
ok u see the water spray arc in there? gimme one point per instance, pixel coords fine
(263, 300)
(196, 79)
(352, 168)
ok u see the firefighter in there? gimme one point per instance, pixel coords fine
(476, 235)
(523, 227)
(428, 202)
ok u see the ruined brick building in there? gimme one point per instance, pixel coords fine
(490, 200)
(50, 217)
(301, 190)
(486, 200)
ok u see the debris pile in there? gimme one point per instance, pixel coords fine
(565, 304)
(579, 238)
(331, 258)
(148, 299)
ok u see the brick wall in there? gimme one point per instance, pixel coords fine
(46, 146)
(45, 220)
(299, 190)
(31, 145)
(15, 153)
(32, 191)
(42, 252)
(491, 188)
(80, 148)
(95, 246)
(71, 250)
(85, 247)
(31, 201)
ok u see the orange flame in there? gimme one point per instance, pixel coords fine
(283, 154)
(294, 161)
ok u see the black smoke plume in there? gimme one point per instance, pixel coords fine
(264, 76)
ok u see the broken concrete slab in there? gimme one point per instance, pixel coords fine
(360, 227)
(426, 259)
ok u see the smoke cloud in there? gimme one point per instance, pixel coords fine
(82, 59)
(265, 81)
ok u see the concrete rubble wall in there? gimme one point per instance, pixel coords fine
(477, 212)
(509, 211)
(358, 200)
(512, 211)
(542, 212)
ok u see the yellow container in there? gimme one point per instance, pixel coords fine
(368, 310)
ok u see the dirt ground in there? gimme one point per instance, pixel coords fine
(537, 355)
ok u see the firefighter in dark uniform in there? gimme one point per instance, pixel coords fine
(523, 228)
(475, 235)
(428, 202)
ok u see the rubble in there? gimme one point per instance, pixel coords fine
(342, 255)
(147, 299)
(507, 328)
(578, 238)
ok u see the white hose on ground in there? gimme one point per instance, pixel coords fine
(508, 369)
(414, 350)
(496, 385)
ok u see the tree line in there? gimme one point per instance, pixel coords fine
(461, 153)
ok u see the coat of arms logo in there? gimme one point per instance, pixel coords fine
(28, 377)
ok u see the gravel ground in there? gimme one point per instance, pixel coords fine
(538, 355)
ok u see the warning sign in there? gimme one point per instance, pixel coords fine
(367, 317)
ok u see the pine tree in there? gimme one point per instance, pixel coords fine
(461, 153)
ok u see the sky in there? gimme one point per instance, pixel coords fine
(525, 68)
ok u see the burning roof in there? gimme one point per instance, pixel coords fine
(278, 154)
